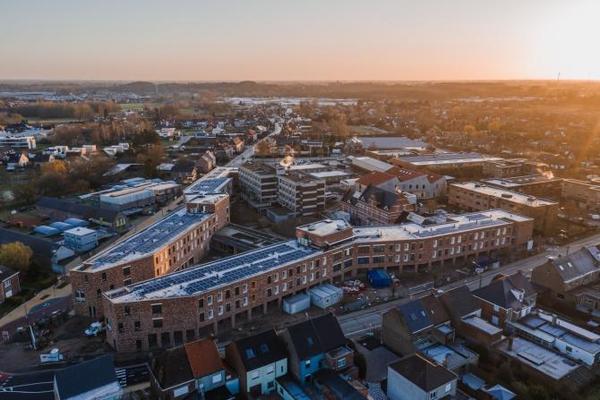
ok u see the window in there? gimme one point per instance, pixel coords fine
(127, 310)
(209, 300)
(137, 326)
(104, 276)
(126, 271)
(157, 323)
(156, 308)
(201, 303)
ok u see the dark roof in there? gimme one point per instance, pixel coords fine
(259, 350)
(503, 290)
(86, 376)
(415, 316)
(42, 249)
(203, 357)
(459, 302)
(184, 166)
(171, 367)
(575, 265)
(82, 210)
(6, 272)
(383, 198)
(316, 336)
(422, 372)
(435, 309)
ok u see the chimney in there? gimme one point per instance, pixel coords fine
(446, 360)
(554, 319)
(510, 343)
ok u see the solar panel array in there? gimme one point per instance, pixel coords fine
(151, 238)
(231, 269)
(456, 228)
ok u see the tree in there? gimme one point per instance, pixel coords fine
(16, 255)
(262, 148)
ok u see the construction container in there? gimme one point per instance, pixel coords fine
(325, 295)
(297, 303)
(378, 278)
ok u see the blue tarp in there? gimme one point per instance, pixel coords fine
(378, 278)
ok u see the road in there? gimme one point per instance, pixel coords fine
(35, 386)
(360, 322)
(39, 385)
(249, 152)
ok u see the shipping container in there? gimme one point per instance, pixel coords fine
(297, 303)
(326, 295)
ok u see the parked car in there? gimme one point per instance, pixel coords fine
(94, 329)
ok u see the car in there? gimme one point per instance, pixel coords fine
(94, 329)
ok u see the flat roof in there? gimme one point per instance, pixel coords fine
(329, 174)
(447, 158)
(523, 180)
(210, 185)
(303, 167)
(205, 277)
(546, 361)
(507, 195)
(325, 227)
(455, 224)
(145, 242)
(80, 231)
(390, 142)
(482, 325)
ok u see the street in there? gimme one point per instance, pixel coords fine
(249, 151)
(360, 322)
(36, 386)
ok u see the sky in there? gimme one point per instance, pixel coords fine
(291, 40)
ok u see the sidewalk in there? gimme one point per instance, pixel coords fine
(42, 297)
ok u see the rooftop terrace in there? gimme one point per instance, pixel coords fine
(206, 277)
(146, 241)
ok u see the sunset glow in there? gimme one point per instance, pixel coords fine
(303, 40)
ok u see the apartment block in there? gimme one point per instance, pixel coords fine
(301, 194)
(204, 298)
(473, 196)
(258, 182)
(586, 194)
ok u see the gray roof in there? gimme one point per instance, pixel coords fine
(459, 302)
(422, 372)
(6, 272)
(501, 291)
(575, 265)
(86, 376)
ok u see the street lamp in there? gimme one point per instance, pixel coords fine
(478, 267)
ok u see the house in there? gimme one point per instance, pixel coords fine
(416, 378)
(238, 144)
(562, 276)
(60, 209)
(376, 206)
(9, 283)
(315, 344)
(195, 367)
(94, 379)
(424, 185)
(381, 180)
(15, 160)
(506, 298)
(258, 361)
(206, 162)
(184, 171)
(421, 319)
(465, 312)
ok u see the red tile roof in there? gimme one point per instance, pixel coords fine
(375, 178)
(203, 357)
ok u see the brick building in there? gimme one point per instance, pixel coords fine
(174, 242)
(473, 196)
(534, 185)
(201, 299)
(375, 206)
(586, 194)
